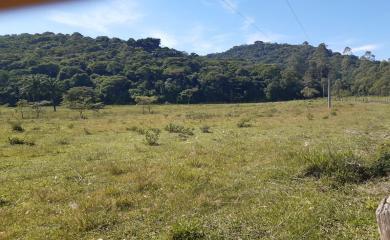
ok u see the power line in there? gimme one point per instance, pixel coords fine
(236, 11)
(297, 19)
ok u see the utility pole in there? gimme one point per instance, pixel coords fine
(329, 95)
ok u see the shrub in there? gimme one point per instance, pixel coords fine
(310, 116)
(152, 136)
(87, 132)
(341, 167)
(199, 115)
(4, 202)
(186, 231)
(244, 123)
(381, 165)
(16, 126)
(205, 129)
(174, 128)
(137, 130)
(345, 168)
(19, 141)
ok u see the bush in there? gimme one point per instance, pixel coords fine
(186, 231)
(244, 123)
(205, 129)
(381, 165)
(174, 128)
(19, 141)
(16, 126)
(345, 168)
(137, 130)
(152, 136)
(310, 116)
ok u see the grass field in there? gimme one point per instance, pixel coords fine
(230, 172)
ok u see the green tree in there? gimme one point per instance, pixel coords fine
(80, 99)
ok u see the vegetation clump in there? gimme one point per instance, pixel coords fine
(244, 123)
(205, 129)
(20, 141)
(187, 231)
(16, 126)
(152, 136)
(343, 168)
(175, 128)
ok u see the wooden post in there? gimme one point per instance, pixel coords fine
(329, 95)
(383, 218)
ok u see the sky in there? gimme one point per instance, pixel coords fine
(209, 26)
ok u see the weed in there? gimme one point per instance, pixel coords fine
(205, 129)
(152, 136)
(20, 141)
(310, 116)
(16, 126)
(244, 123)
(175, 128)
(187, 231)
(87, 132)
(136, 129)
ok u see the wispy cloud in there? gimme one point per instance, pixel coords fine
(100, 17)
(229, 5)
(367, 47)
(167, 39)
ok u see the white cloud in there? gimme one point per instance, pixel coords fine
(167, 40)
(202, 40)
(367, 47)
(100, 17)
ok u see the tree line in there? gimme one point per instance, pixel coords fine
(49, 67)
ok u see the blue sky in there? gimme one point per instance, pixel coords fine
(206, 26)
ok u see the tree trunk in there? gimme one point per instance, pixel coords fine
(383, 218)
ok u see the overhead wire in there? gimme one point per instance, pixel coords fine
(297, 19)
(242, 15)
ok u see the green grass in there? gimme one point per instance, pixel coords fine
(98, 178)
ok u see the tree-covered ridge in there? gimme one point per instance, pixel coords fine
(46, 66)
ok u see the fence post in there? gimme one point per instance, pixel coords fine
(383, 218)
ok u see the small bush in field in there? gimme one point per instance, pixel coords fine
(187, 231)
(87, 132)
(244, 123)
(16, 126)
(205, 129)
(136, 129)
(19, 141)
(310, 116)
(345, 168)
(152, 136)
(333, 112)
(175, 128)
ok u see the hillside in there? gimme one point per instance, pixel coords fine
(45, 66)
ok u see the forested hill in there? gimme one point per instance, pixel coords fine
(46, 66)
(270, 53)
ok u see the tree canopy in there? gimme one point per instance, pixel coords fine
(46, 66)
